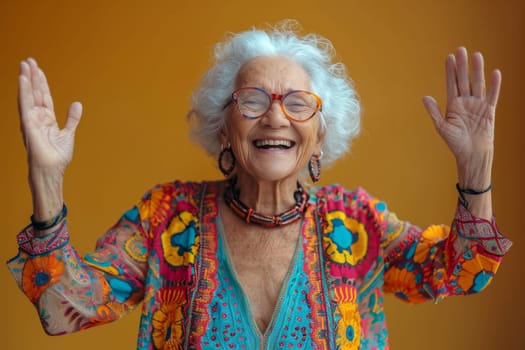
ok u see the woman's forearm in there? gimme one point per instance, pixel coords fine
(476, 175)
(47, 192)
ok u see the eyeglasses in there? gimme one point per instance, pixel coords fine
(297, 105)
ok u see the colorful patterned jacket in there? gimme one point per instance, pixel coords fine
(165, 253)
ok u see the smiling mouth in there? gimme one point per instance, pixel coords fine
(273, 144)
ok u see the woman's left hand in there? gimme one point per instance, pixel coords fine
(468, 124)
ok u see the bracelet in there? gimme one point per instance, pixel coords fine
(44, 225)
(463, 191)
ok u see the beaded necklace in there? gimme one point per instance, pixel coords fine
(231, 197)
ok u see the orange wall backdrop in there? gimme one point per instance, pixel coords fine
(134, 65)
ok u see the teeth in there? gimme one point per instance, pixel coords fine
(273, 143)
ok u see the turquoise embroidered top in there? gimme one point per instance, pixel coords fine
(231, 325)
(168, 253)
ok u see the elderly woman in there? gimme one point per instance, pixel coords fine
(262, 259)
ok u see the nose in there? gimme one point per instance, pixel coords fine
(275, 118)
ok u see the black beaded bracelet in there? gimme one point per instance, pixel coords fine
(463, 191)
(44, 225)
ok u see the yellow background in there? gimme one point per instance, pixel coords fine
(134, 65)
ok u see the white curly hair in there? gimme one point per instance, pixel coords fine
(340, 116)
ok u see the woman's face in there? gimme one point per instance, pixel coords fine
(272, 148)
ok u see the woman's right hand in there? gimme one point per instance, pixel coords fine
(49, 148)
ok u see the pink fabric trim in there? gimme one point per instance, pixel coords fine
(38, 245)
(311, 267)
(207, 281)
(485, 231)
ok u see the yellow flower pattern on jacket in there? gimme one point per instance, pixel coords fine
(349, 324)
(175, 245)
(348, 245)
(168, 320)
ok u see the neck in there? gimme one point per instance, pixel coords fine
(267, 197)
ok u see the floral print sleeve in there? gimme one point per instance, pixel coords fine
(439, 261)
(73, 293)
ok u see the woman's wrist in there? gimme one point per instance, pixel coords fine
(466, 193)
(50, 223)
(476, 172)
(46, 188)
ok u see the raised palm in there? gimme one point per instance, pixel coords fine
(468, 124)
(48, 146)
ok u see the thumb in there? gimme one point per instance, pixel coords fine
(433, 110)
(73, 116)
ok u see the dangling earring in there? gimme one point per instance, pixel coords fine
(227, 156)
(314, 167)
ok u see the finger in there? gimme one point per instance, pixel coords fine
(74, 115)
(25, 95)
(462, 72)
(35, 82)
(478, 75)
(433, 110)
(25, 70)
(44, 88)
(495, 85)
(450, 70)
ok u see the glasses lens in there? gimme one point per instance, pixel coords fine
(252, 102)
(300, 105)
